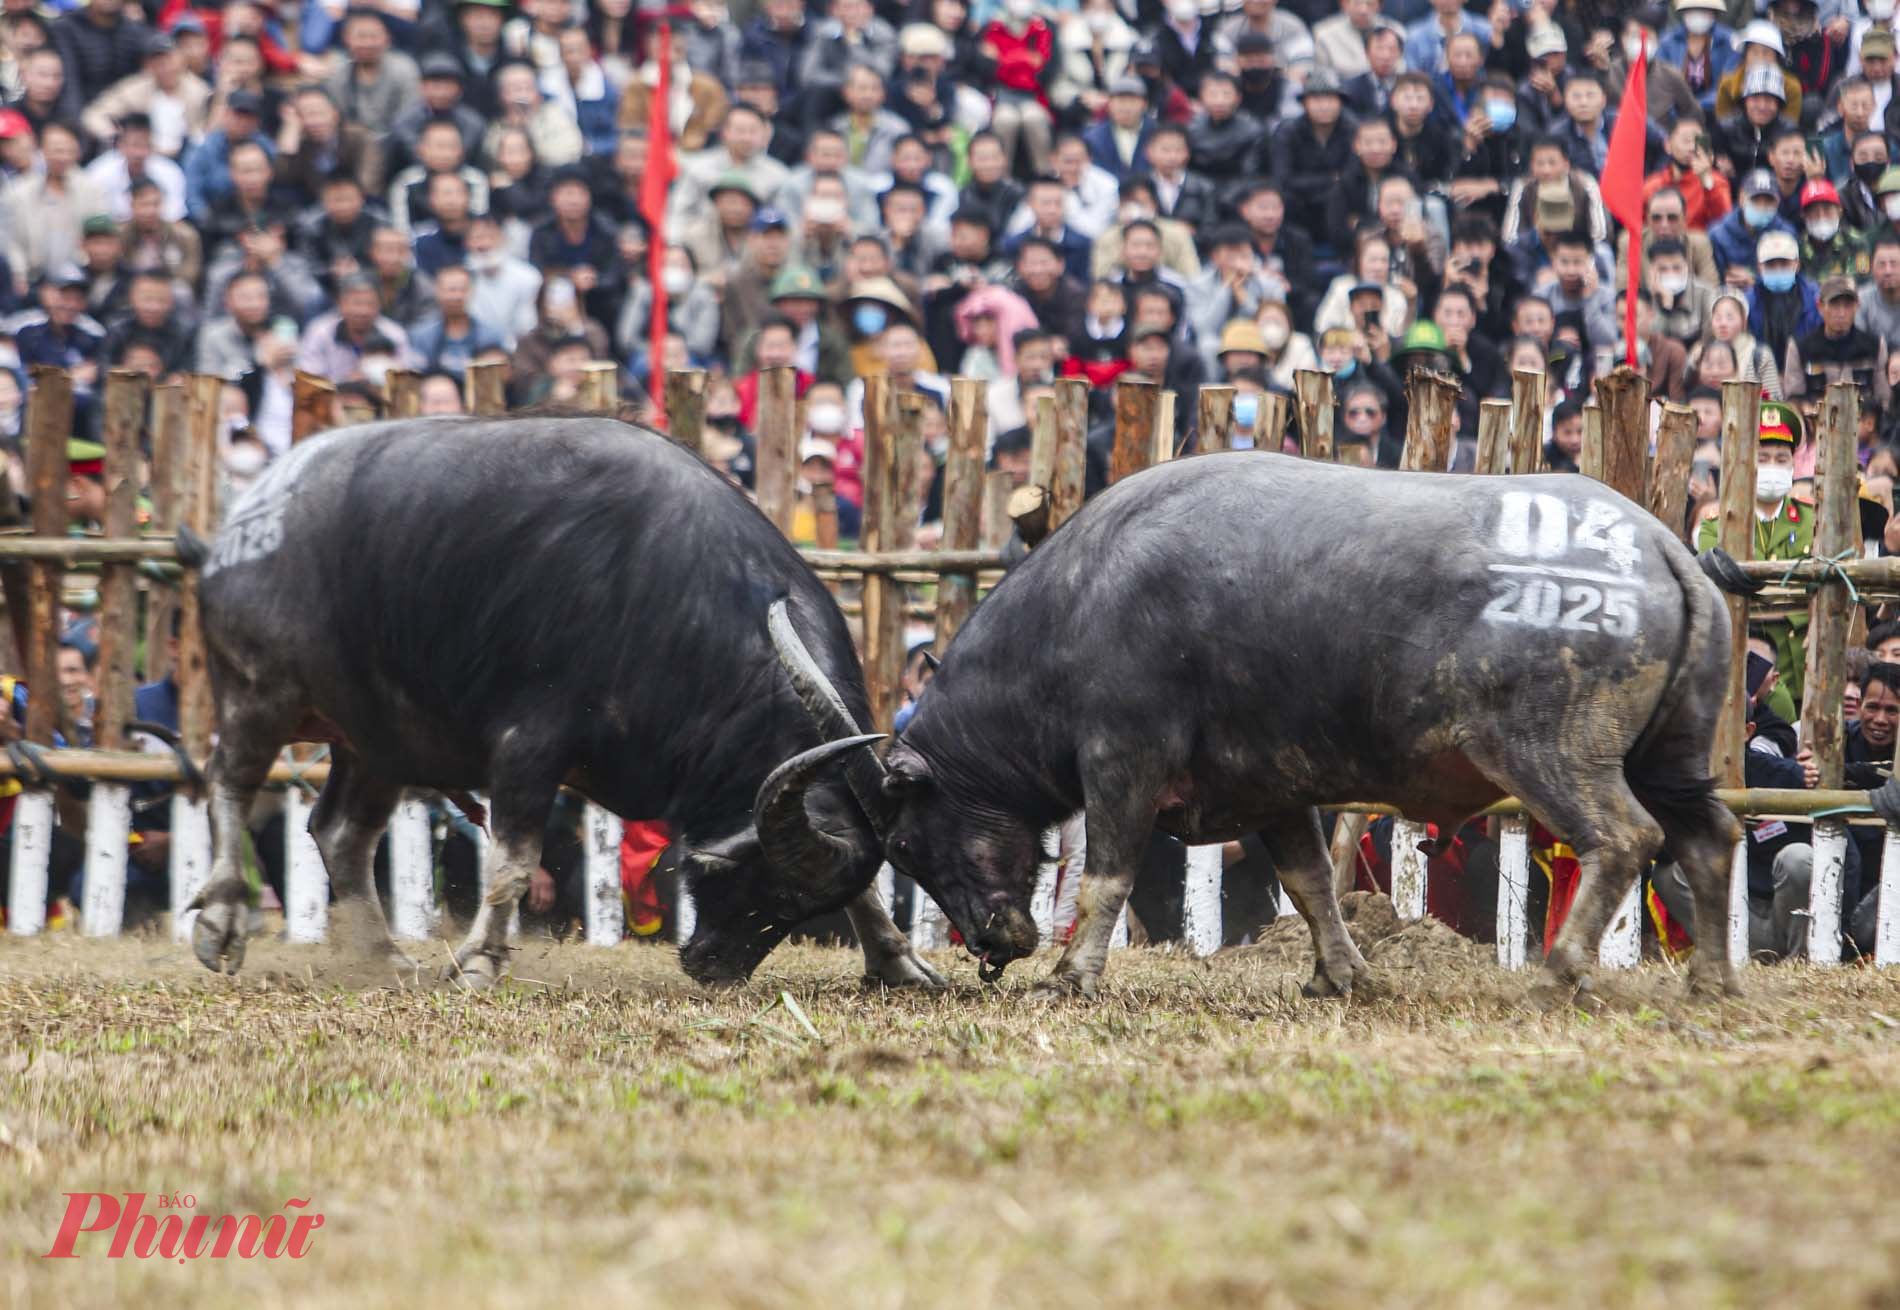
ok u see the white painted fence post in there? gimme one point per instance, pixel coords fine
(32, 852)
(886, 884)
(1887, 920)
(1514, 889)
(606, 914)
(1042, 901)
(1118, 938)
(1408, 869)
(1622, 944)
(108, 835)
(1738, 904)
(927, 924)
(411, 872)
(306, 880)
(190, 860)
(1201, 922)
(1824, 892)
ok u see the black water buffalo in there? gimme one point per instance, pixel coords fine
(1222, 643)
(510, 605)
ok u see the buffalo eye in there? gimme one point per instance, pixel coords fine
(903, 846)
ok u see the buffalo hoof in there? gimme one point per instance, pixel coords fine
(1714, 982)
(907, 970)
(1065, 986)
(1553, 992)
(217, 936)
(475, 969)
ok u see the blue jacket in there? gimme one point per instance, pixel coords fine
(1735, 241)
(1809, 320)
(1100, 139)
(208, 169)
(1673, 48)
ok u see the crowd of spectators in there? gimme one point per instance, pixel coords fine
(1187, 191)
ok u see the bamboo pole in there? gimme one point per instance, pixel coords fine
(775, 470)
(487, 388)
(312, 405)
(1431, 408)
(1315, 413)
(1270, 424)
(404, 392)
(600, 386)
(1071, 463)
(167, 483)
(1215, 423)
(1741, 430)
(1836, 533)
(1494, 436)
(883, 595)
(686, 407)
(1667, 495)
(1136, 404)
(963, 499)
(1527, 421)
(1623, 400)
(1164, 446)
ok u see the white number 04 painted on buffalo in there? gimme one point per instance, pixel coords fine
(1545, 584)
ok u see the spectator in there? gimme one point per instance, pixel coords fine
(443, 80)
(314, 143)
(1837, 351)
(555, 137)
(49, 206)
(245, 336)
(1783, 303)
(375, 84)
(99, 46)
(335, 344)
(503, 290)
(174, 101)
(208, 164)
(476, 46)
(1683, 302)
(1023, 46)
(443, 240)
(1880, 298)
(579, 88)
(1118, 144)
(450, 339)
(149, 241)
(1690, 171)
(853, 35)
(152, 320)
(61, 333)
(132, 160)
(1308, 153)
(1750, 360)
(438, 150)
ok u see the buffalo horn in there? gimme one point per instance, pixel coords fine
(864, 771)
(785, 829)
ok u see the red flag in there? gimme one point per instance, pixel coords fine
(655, 184)
(1622, 182)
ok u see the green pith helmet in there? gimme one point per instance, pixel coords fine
(1423, 336)
(1889, 181)
(797, 284)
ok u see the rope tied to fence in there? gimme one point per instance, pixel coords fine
(30, 766)
(1831, 571)
(187, 767)
(298, 768)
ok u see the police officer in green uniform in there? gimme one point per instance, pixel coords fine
(1784, 530)
(1829, 248)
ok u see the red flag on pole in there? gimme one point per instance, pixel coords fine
(1622, 183)
(655, 184)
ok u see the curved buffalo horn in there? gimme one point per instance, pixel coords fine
(864, 771)
(786, 832)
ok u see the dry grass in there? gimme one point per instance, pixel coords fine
(1201, 1137)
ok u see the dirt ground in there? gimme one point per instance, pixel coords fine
(602, 1131)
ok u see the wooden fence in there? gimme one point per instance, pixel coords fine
(181, 421)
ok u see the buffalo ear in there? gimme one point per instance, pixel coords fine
(722, 856)
(906, 773)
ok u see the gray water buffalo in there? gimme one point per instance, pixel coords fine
(509, 605)
(1222, 643)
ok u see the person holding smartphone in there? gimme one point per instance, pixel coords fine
(1690, 169)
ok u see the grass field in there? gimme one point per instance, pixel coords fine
(602, 1132)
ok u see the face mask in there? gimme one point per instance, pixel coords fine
(1129, 213)
(826, 419)
(1246, 410)
(376, 369)
(245, 459)
(1502, 113)
(1633, 48)
(1823, 229)
(676, 281)
(869, 320)
(1256, 79)
(1274, 333)
(1346, 370)
(1021, 10)
(1184, 12)
(824, 210)
(1870, 171)
(1773, 482)
(1890, 205)
(1672, 285)
(1879, 10)
(1698, 21)
(1758, 217)
(1099, 20)
(1781, 279)
(484, 261)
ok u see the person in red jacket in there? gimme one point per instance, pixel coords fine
(1023, 46)
(1691, 170)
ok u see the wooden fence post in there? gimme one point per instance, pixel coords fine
(1667, 496)
(1431, 408)
(1164, 427)
(600, 386)
(824, 512)
(962, 500)
(191, 823)
(411, 871)
(1136, 404)
(168, 475)
(998, 486)
(1215, 426)
(404, 392)
(1494, 435)
(883, 594)
(1592, 459)
(1830, 608)
(686, 407)
(1623, 398)
(775, 470)
(911, 487)
(1527, 421)
(1270, 422)
(1071, 465)
(487, 388)
(312, 405)
(604, 913)
(109, 813)
(1314, 411)
(1741, 433)
(49, 425)
(1045, 434)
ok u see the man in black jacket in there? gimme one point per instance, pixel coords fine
(1223, 138)
(1180, 193)
(100, 45)
(1309, 153)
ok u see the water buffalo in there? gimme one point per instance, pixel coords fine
(509, 605)
(1222, 643)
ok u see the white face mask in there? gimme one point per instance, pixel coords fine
(1701, 22)
(484, 261)
(1672, 284)
(824, 210)
(1890, 204)
(826, 419)
(1773, 482)
(245, 458)
(1633, 48)
(1020, 10)
(1184, 12)
(1099, 20)
(1879, 10)
(1274, 333)
(677, 281)
(1823, 229)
